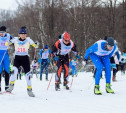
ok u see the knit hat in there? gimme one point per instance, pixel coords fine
(23, 30)
(110, 41)
(46, 47)
(2, 29)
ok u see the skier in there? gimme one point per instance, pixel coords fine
(73, 65)
(21, 44)
(60, 52)
(34, 67)
(100, 54)
(44, 54)
(4, 57)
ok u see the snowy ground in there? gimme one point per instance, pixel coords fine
(80, 99)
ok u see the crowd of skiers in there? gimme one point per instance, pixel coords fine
(102, 54)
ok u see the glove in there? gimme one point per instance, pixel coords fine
(78, 56)
(56, 58)
(6, 44)
(37, 43)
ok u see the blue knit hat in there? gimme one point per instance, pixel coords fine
(23, 30)
(46, 47)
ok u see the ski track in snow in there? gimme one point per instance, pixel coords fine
(80, 99)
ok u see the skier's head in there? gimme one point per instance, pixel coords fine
(66, 37)
(110, 43)
(2, 31)
(23, 32)
(46, 47)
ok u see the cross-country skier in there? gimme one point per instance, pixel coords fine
(100, 54)
(4, 57)
(22, 44)
(60, 51)
(73, 65)
(34, 67)
(44, 54)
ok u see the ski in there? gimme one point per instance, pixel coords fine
(8, 93)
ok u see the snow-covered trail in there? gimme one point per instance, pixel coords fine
(80, 99)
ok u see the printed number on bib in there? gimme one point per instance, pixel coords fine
(21, 49)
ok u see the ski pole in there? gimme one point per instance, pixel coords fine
(50, 78)
(49, 82)
(71, 82)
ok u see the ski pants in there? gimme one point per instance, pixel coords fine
(44, 64)
(4, 66)
(74, 70)
(113, 65)
(25, 63)
(62, 63)
(100, 62)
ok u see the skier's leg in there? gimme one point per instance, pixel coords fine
(0, 82)
(107, 65)
(46, 69)
(6, 64)
(99, 66)
(114, 68)
(66, 71)
(12, 79)
(26, 67)
(41, 69)
(58, 75)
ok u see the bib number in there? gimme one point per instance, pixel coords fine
(21, 50)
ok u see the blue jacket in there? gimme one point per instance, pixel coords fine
(94, 48)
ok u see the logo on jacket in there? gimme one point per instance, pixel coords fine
(3, 39)
(21, 43)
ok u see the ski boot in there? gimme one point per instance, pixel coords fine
(41, 78)
(6, 87)
(57, 86)
(65, 85)
(97, 90)
(11, 87)
(30, 93)
(108, 88)
(46, 78)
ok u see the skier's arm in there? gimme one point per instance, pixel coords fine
(40, 52)
(91, 50)
(110, 55)
(32, 43)
(11, 41)
(74, 49)
(56, 47)
(118, 56)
